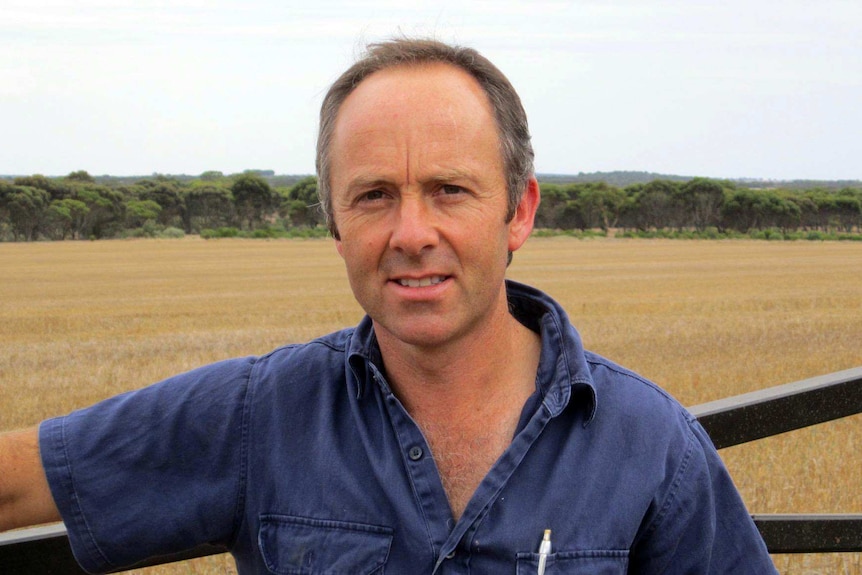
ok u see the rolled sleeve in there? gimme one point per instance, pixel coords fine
(162, 467)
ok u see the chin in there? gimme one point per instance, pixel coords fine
(419, 336)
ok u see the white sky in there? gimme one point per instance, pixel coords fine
(734, 88)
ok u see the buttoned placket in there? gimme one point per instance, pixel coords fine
(443, 532)
(422, 471)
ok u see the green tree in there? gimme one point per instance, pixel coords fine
(81, 176)
(105, 210)
(211, 176)
(808, 216)
(301, 205)
(600, 205)
(304, 190)
(629, 210)
(827, 212)
(206, 206)
(66, 218)
(253, 199)
(746, 209)
(785, 213)
(58, 189)
(26, 209)
(655, 205)
(552, 204)
(140, 211)
(570, 216)
(742, 210)
(702, 200)
(5, 191)
(848, 205)
(168, 194)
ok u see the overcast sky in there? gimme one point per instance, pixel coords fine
(734, 88)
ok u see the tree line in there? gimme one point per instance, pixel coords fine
(78, 206)
(699, 204)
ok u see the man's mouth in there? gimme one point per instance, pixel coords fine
(421, 282)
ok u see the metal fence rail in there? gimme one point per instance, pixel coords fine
(45, 550)
(798, 533)
(739, 419)
(751, 416)
(782, 408)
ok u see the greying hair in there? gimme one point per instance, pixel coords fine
(514, 135)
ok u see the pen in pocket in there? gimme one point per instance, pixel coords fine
(544, 551)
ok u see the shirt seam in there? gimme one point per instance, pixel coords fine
(242, 483)
(324, 341)
(682, 469)
(92, 547)
(673, 491)
(594, 360)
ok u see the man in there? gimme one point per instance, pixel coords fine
(458, 426)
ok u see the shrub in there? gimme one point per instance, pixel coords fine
(172, 233)
(219, 233)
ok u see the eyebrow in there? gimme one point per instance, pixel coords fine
(450, 175)
(365, 183)
(446, 176)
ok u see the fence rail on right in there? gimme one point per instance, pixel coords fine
(751, 416)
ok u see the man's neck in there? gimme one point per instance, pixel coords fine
(495, 363)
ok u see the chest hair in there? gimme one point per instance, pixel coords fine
(465, 449)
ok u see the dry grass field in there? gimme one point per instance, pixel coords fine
(706, 319)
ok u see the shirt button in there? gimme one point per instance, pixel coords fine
(415, 453)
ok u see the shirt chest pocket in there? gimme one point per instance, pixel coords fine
(612, 562)
(303, 546)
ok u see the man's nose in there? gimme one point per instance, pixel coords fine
(414, 229)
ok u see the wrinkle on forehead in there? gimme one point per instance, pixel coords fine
(420, 121)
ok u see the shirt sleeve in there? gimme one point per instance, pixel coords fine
(154, 471)
(703, 525)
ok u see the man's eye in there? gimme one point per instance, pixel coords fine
(372, 195)
(449, 189)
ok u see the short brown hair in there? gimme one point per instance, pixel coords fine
(514, 134)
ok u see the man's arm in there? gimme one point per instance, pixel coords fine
(703, 526)
(25, 498)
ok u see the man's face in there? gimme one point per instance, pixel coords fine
(419, 199)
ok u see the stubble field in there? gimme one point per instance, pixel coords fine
(80, 321)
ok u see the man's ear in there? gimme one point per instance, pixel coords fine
(521, 224)
(339, 248)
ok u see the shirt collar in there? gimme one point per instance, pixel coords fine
(563, 376)
(363, 356)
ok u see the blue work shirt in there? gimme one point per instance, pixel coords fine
(303, 461)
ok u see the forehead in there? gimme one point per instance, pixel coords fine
(417, 115)
(436, 94)
(415, 75)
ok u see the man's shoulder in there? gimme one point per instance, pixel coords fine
(627, 393)
(318, 353)
(336, 342)
(296, 365)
